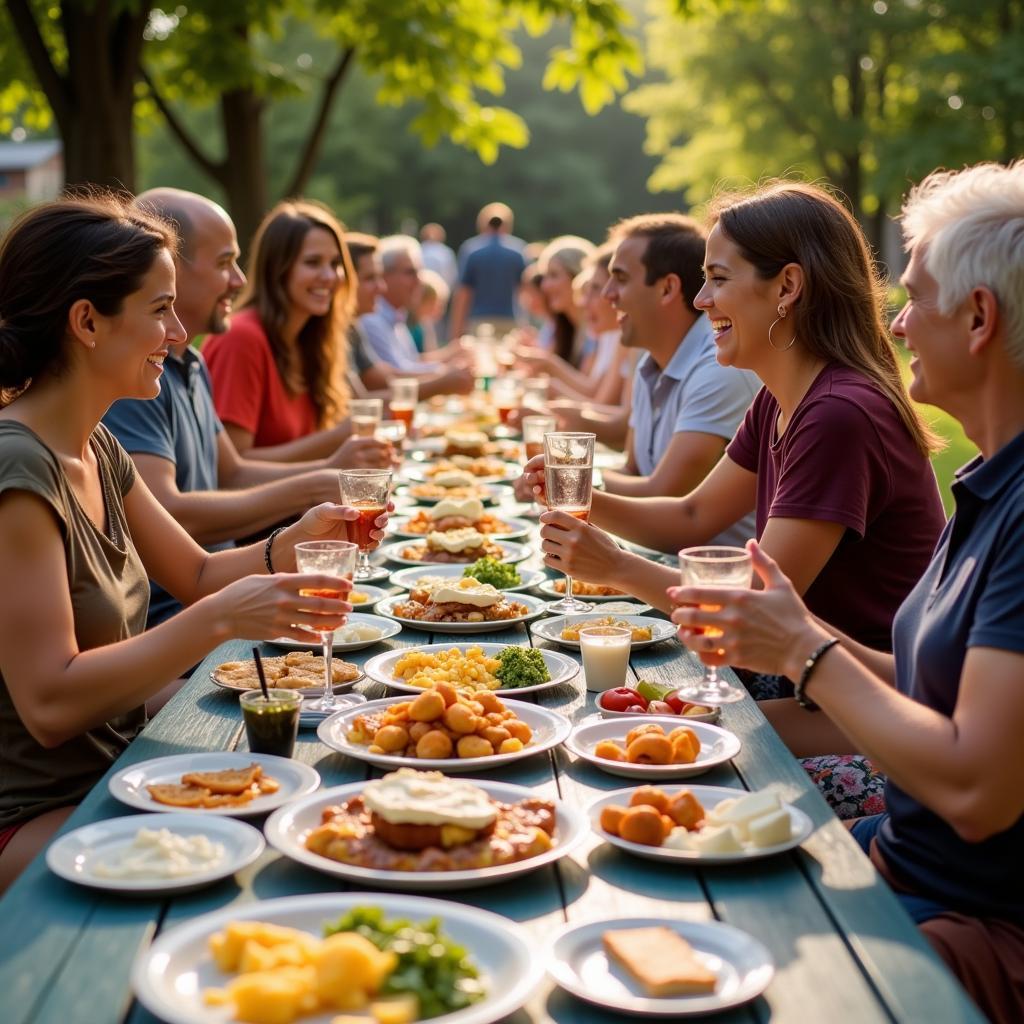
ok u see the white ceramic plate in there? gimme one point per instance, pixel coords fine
(75, 855)
(381, 667)
(287, 829)
(306, 691)
(534, 605)
(511, 552)
(377, 572)
(716, 747)
(170, 975)
(511, 471)
(310, 718)
(709, 796)
(386, 625)
(712, 716)
(516, 528)
(549, 730)
(491, 494)
(551, 629)
(129, 784)
(548, 587)
(406, 578)
(577, 962)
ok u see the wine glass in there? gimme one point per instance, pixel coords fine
(366, 490)
(391, 431)
(336, 558)
(365, 414)
(568, 479)
(714, 566)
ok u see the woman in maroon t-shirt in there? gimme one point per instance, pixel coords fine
(279, 371)
(831, 454)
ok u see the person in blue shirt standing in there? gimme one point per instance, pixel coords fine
(942, 715)
(490, 268)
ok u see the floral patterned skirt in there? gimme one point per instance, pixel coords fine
(850, 783)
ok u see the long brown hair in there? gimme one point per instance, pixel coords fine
(840, 315)
(95, 245)
(322, 344)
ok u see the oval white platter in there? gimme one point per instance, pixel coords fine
(510, 552)
(407, 578)
(491, 494)
(534, 605)
(578, 963)
(511, 471)
(549, 730)
(380, 668)
(548, 587)
(129, 784)
(75, 855)
(801, 827)
(551, 629)
(517, 528)
(170, 975)
(386, 625)
(717, 746)
(287, 828)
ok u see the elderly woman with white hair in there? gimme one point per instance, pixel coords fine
(943, 714)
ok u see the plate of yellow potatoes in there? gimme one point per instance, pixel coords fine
(564, 630)
(196, 972)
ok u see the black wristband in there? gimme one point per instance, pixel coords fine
(809, 665)
(267, 546)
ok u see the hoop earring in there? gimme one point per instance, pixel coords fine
(792, 341)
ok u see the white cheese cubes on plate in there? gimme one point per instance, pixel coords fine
(757, 818)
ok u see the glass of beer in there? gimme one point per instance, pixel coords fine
(392, 432)
(365, 414)
(714, 566)
(366, 490)
(568, 479)
(337, 558)
(505, 396)
(405, 393)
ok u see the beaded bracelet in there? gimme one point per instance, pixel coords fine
(267, 546)
(801, 684)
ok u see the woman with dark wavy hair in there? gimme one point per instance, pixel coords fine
(279, 371)
(86, 318)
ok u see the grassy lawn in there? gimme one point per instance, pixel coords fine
(958, 449)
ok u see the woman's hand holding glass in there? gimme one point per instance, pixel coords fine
(767, 630)
(363, 453)
(578, 549)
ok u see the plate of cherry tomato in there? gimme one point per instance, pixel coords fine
(625, 700)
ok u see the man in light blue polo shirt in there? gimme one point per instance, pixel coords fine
(686, 407)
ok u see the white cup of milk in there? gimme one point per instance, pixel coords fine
(605, 656)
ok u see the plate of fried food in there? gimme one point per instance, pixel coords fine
(589, 591)
(312, 958)
(462, 486)
(655, 747)
(235, 784)
(459, 514)
(659, 967)
(359, 632)
(501, 575)
(484, 469)
(698, 824)
(444, 729)
(508, 669)
(299, 670)
(457, 547)
(419, 830)
(463, 605)
(565, 629)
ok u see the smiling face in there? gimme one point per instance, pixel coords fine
(557, 288)
(638, 304)
(316, 274)
(739, 303)
(941, 365)
(599, 313)
(209, 278)
(401, 280)
(131, 345)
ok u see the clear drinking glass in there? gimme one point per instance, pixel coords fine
(337, 558)
(568, 479)
(405, 393)
(365, 414)
(714, 566)
(505, 396)
(366, 490)
(392, 431)
(536, 392)
(534, 429)
(605, 653)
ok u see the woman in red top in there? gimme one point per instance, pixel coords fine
(279, 372)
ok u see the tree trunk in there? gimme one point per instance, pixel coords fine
(244, 170)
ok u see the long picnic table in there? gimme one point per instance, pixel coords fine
(844, 949)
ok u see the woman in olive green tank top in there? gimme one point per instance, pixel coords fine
(86, 318)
